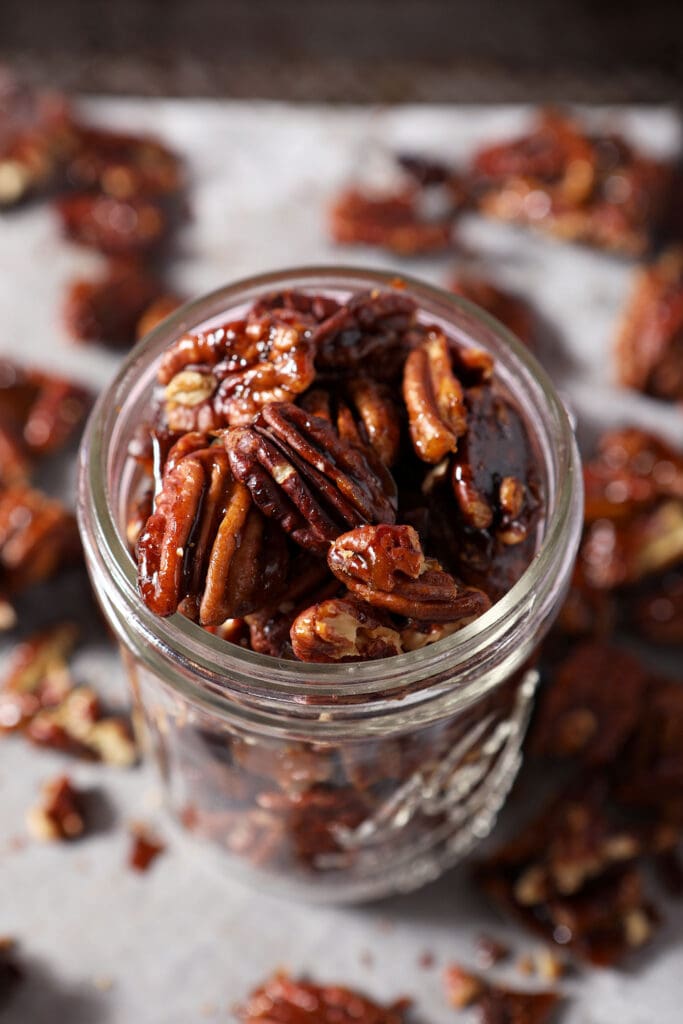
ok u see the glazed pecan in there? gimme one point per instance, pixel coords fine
(134, 226)
(60, 813)
(78, 726)
(363, 412)
(386, 567)
(492, 469)
(108, 308)
(121, 165)
(343, 629)
(206, 550)
(649, 343)
(434, 399)
(14, 462)
(304, 476)
(372, 329)
(394, 222)
(497, 1004)
(40, 411)
(591, 704)
(37, 537)
(512, 310)
(224, 376)
(287, 1001)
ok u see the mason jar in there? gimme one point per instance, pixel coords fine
(333, 782)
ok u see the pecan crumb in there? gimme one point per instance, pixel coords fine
(59, 815)
(145, 848)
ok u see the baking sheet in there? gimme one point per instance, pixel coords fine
(183, 943)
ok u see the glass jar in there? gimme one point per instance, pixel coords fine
(346, 781)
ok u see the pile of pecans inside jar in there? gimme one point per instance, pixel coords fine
(331, 480)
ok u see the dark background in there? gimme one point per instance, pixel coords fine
(352, 50)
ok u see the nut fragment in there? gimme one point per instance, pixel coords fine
(393, 222)
(304, 476)
(107, 308)
(386, 567)
(206, 550)
(343, 629)
(434, 399)
(59, 815)
(37, 537)
(37, 676)
(498, 1004)
(145, 848)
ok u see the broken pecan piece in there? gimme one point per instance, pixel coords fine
(497, 1004)
(343, 629)
(434, 399)
(132, 226)
(287, 1001)
(304, 476)
(206, 550)
(60, 813)
(223, 377)
(38, 676)
(386, 567)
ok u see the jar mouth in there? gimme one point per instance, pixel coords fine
(224, 672)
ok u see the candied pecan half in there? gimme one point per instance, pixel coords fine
(649, 343)
(394, 222)
(60, 813)
(108, 308)
(617, 553)
(343, 629)
(304, 476)
(368, 326)
(224, 376)
(206, 550)
(363, 412)
(134, 226)
(497, 1004)
(434, 399)
(287, 1001)
(591, 705)
(122, 165)
(386, 567)
(40, 411)
(513, 311)
(37, 538)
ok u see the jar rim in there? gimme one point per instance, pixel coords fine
(206, 669)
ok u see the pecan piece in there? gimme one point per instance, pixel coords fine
(60, 813)
(498, 1004)
(287, 1001)
(38, 676)
(343, 629)
(235, 369)
(40, 413)
(145, 847)
(132, 226)
(206, 550)
(369, 325)
(305, 477)
(386, 567)
(434, 399)
(108, 308)
(363, 413)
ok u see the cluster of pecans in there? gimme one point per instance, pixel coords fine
(121, 195)
(558, 178)
(331, 480)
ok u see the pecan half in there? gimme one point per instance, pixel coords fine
(40, 412)
(304, 476)
(363, 412)
(434, 399)
(369, 325)
(206, 550)
(386, 566)
(343, 629)
(223, 377)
